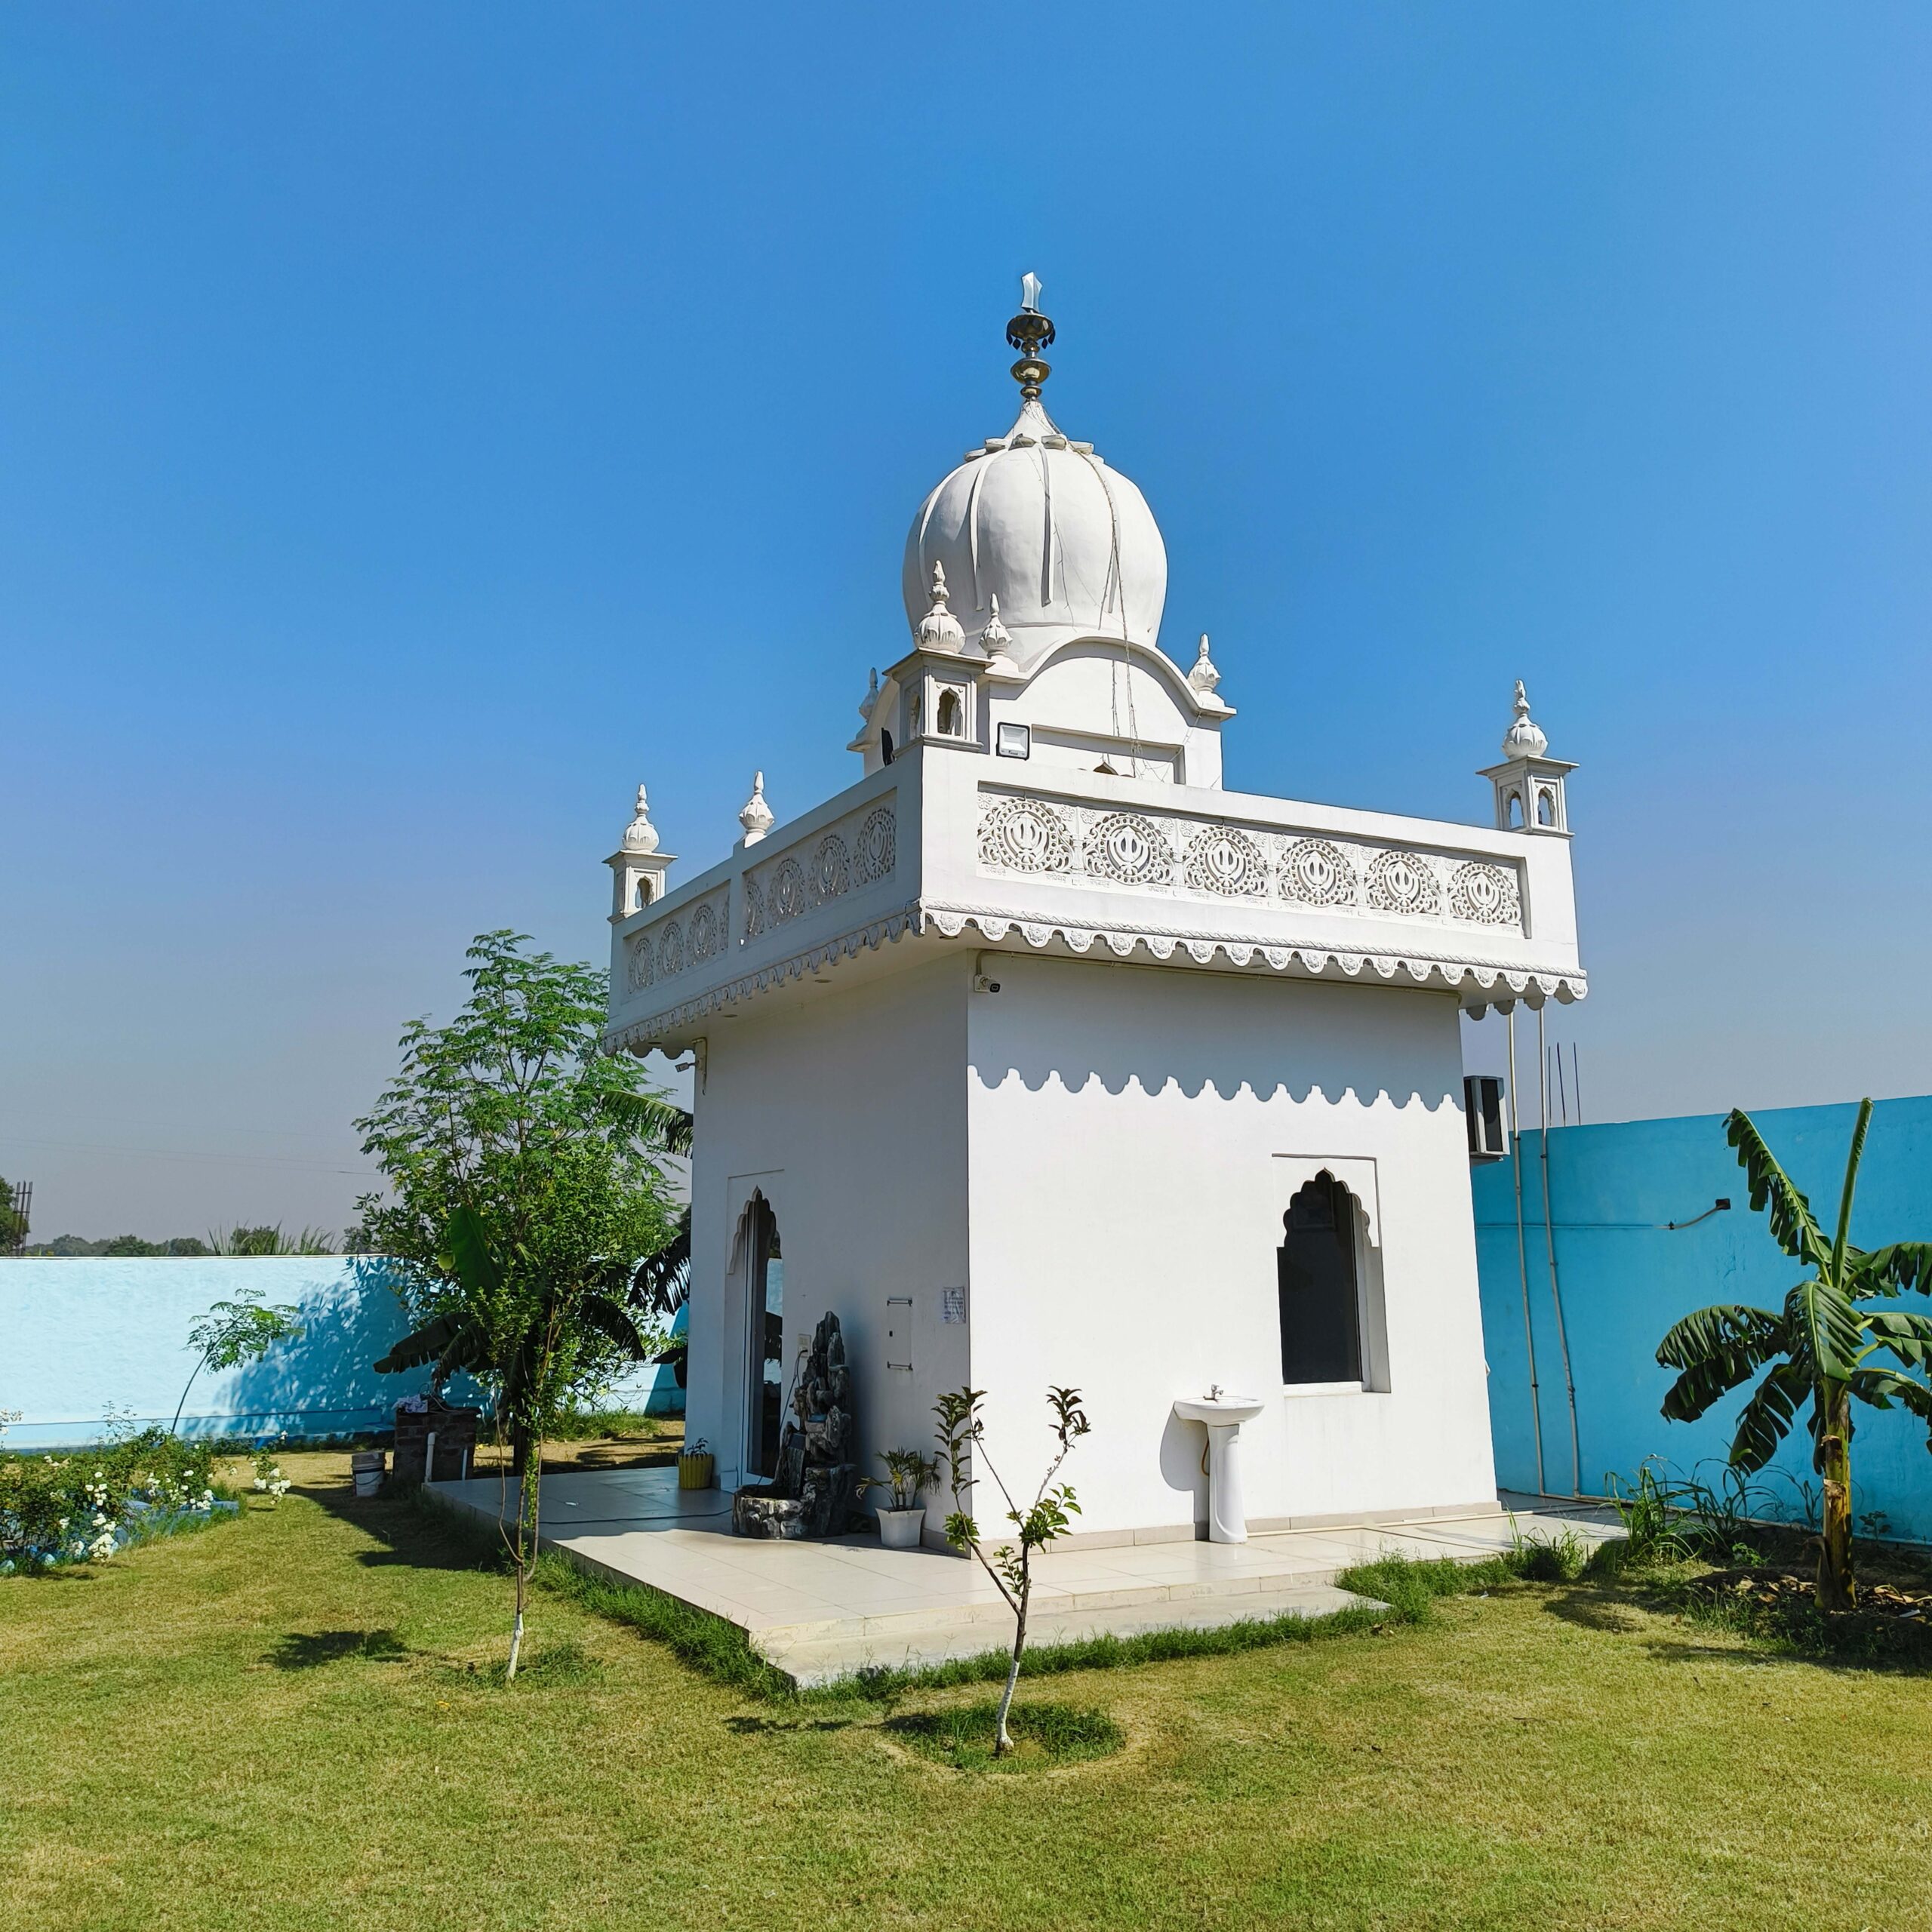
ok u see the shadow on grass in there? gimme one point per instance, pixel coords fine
(1043, 1734)
(414, 1531)
(309, 1650)
(747, 1726)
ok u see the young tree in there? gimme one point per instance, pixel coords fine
(1823, 1346)
(525, 1166)
(515, 1112)
(232, 1333)
(962, 1433)
(524, 1328)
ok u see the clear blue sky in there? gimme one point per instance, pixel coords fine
(418, 424)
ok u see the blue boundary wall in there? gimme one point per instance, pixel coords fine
(1624, 1278)
(80, 1335)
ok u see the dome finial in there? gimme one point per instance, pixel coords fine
(641, 836)
(1029, 332)
(756, 816)
(1524, 737)
(1203, 677)
(995, 640)
(939, 628)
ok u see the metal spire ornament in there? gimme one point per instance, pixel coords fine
(1029, 332)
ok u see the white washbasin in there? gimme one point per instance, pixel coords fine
(1227, 1517)
(1218, 1411)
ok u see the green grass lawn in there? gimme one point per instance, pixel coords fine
(289, 1721)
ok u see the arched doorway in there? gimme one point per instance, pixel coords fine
(765, 1333)
(1319, 1272)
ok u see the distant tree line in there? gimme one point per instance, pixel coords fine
(267, 1239)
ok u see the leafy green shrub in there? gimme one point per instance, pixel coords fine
(86, 1506)
(1558, 1559)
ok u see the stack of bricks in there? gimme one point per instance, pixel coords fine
(418, 1419)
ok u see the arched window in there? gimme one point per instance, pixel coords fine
(949, 714)
(1320, 1285)
(1515, 811)
(885, 745)
(1545, 806)
(643, 891)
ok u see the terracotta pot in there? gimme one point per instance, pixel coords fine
(899, 1529)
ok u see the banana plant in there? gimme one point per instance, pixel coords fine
(1826, 1346)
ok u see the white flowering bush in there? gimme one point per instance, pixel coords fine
(86, 1507)
(269, 1478)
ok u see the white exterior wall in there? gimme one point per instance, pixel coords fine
(1127, 1202)
(849, 1113)
(1094, 700)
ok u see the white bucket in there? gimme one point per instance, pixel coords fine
(368, 1482)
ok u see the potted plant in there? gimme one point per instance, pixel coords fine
(697, 1467)
(902, 1520)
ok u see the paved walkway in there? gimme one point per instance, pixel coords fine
(820, 1610)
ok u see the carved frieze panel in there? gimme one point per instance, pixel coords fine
(785, 892)
(670, 949)
(1168, 853)
(1402, 883)
(1222, 860)
(1316, 872)
(821, 870)
(1129, 849)
(707, 932)
(828, 876)
(873, 847)
(1485, 895)
(1027, 836)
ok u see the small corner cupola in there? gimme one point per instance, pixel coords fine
(1529, 783)
(937, 682)
(755, 815)
(639, 870)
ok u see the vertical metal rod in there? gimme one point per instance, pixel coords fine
(1576, 1083)
(1562, 1089)
(1549, 1248)
(1522, 1253)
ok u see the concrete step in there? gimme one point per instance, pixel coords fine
(813, 1659)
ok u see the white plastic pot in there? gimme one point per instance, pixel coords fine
(899, 1529)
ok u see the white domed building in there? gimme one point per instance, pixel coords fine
(1042, 1059)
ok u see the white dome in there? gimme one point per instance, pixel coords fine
(1067, 544)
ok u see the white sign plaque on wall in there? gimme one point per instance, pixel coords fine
(952, 1307)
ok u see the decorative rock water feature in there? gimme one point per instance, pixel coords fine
(817, 1478)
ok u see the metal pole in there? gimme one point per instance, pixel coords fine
(1522, 1253)
(1549, 1248)
(1576, 1083)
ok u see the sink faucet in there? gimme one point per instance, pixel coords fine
(1214, 1392)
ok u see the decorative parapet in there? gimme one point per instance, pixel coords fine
(856, 851)
(679, 940)
(944, 845)
(1180, 856)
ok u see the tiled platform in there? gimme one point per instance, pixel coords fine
(823, 1610)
